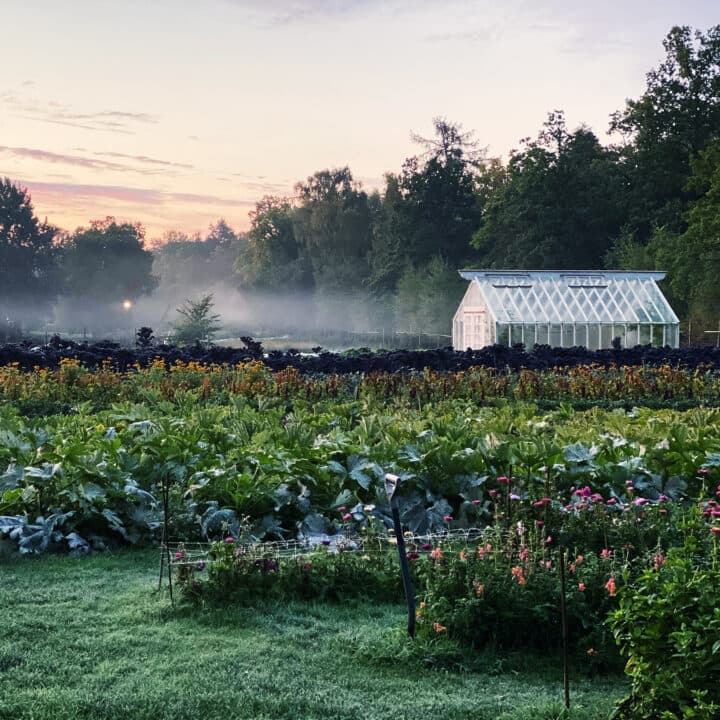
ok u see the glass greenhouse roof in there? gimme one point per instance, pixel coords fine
(544, 296)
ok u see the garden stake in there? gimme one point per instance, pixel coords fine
(563, 620)
(165, 547)
(391, 484)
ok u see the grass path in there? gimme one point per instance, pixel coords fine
(91, 639)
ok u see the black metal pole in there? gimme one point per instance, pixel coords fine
(563, 620)
(404, 568)
(166, 513)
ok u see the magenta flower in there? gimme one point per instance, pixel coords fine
(641, 501)
(342, 508)
(475, 502)
(426, 546)
(539, 523)
(229, 539)
(347, 516)
(612, 501)
(447, 518)
(703, 471)
(179, 555)
(503, 479)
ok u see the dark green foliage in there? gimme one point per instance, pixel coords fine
(667, 628)
(28, 257)
(197, 322)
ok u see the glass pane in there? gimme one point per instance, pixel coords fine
(632, 337)
(555, 337)
(503, 335)
(581, 335)
(542, 335)
(606, 336)
(593, 337)
(657, 335)
(567, 335)
(530, 336)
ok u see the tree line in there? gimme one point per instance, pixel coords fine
(562, 200)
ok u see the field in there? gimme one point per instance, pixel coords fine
(611, 472)
(92, 639)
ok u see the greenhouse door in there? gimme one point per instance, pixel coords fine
(474, 328)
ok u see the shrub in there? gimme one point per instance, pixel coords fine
(667, 627)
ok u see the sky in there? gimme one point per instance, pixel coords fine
(175, 113)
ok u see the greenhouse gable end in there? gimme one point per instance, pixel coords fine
(564, 309)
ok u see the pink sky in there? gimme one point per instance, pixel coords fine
(175, 113)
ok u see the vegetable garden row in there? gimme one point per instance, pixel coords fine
(629, 496)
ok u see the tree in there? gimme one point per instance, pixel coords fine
(333, 223)
(197, 322)
(439, 210)
(692, 258)
(428, 296)
(273, 260)
(108, 263)
(559, 205)
(28, 255)
(677, 116)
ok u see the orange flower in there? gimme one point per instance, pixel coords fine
(611, 587)
(517, 573)
(436, 554)
(438, 628)
(463, 555)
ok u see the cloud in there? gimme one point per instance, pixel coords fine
(291, 12)
(146, 160)
(50, 111)
(94, 164)
(140, 196)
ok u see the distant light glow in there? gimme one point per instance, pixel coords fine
(127, 304)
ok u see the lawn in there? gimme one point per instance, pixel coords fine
(91, 638)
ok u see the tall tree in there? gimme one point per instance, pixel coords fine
(273, 260)
(559, 205)
(440, 209)
(107, 263)
(333, 222)
(28, 255)
(677, 116)
(692, 258)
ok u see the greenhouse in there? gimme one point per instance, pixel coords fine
(564, 309)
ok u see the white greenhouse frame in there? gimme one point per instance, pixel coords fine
(564, 309)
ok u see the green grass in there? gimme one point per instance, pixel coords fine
(91, 638)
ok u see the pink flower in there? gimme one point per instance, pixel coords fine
(703, 471)
(581, 587)
(612, 501)
(426, 546)
(605, 554)
(342, 508)
(539, 503)
(658, 561)
(229, 539)
(715, 530)
(611, 587)
(447, 518)
(514, 497)
(503, 479)
(475, 502)
(539, 523)
(347, 516)
(548, 539)
(641, 501)
(179, 555)
(663, 498)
